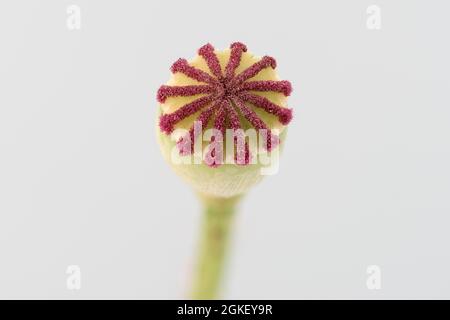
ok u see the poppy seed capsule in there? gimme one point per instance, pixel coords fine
(219, 115)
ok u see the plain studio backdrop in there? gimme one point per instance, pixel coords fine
(364, 178)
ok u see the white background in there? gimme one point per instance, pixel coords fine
(364, 178)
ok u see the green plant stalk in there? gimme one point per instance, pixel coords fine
(218, 216)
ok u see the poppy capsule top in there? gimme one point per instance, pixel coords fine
(230, 90)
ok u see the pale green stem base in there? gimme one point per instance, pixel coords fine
(217, 220)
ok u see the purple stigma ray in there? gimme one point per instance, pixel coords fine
(284, 114)
(225, 93)
(165, 92)
(283, 87)
(233, 116)
(182, 66)
(186, 144)
(207, 52)
(221, 114)
(237, 49)
(251, 116)
(238, 131)
(168, 121)
(219, 124)
(253, 70)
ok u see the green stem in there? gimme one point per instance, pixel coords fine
(217, 220)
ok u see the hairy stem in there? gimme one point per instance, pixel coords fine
(217, 221)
